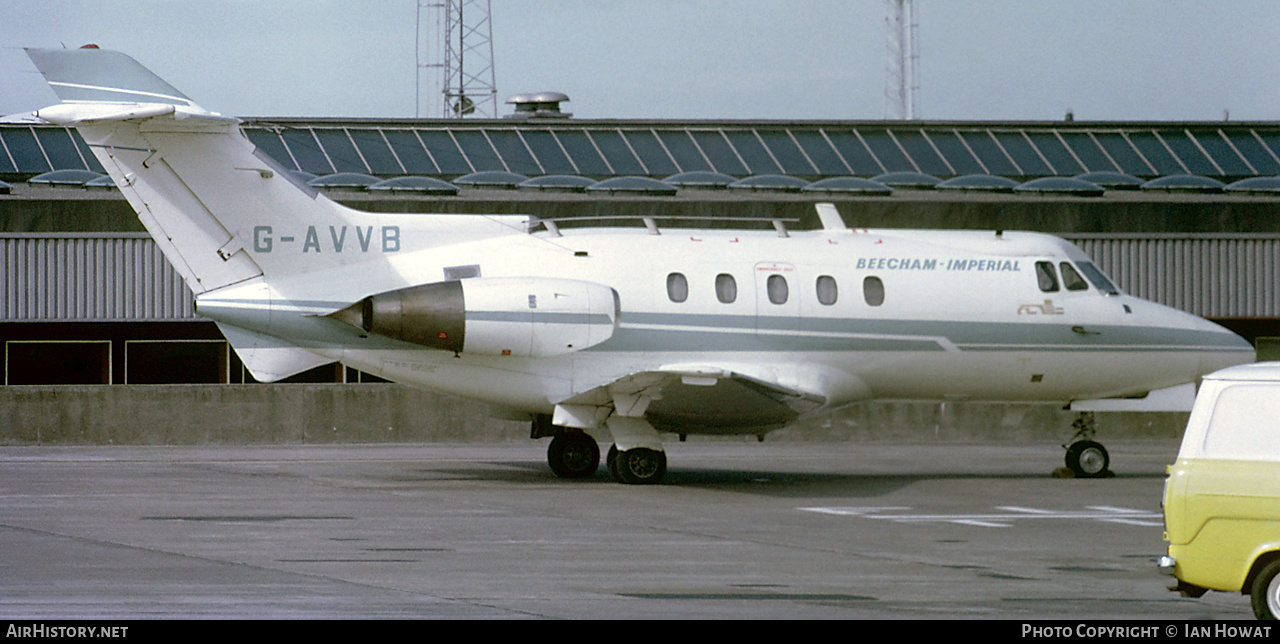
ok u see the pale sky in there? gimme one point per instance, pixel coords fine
(692, 59)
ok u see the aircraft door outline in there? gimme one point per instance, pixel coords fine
(778, 297)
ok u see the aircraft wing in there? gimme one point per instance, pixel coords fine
(686, 398)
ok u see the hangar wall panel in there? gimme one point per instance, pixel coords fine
(124, 277)
(109, 277)
(1217, 276)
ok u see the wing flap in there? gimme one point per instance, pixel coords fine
(692, 400)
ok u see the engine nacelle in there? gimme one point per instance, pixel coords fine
(517, 316)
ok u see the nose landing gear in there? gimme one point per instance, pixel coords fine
(1087, 458)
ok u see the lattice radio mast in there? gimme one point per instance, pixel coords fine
(901, 77)
(455, 59)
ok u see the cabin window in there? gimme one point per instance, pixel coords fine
(677, 287)
(776, 287)
(1099, 280)
(1071, 279)
(827, 291)
(1046, 277)
(726, 288)
(873, 290)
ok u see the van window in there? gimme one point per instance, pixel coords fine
(1245, 423)
(873, 290)
(827, 291)
(726, 288)
(1046, 277)
(776, 287)
(677, 287)
(1071, 279)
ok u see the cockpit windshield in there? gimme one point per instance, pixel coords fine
(1096, 278)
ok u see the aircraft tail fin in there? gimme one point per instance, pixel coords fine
(200, 187)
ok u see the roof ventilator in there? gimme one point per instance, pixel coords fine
(543, 105)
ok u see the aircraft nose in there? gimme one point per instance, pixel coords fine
(1217, 346)
(1231, 351)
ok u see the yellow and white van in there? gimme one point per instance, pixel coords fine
(1222, 497)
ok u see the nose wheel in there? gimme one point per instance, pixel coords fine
(1087, 458)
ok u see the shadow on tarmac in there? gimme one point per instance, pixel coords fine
(750, 481)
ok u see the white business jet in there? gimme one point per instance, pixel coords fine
(609, 334)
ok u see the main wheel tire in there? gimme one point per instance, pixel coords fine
(611, 462)
(573, 456)
(1265, 597)
(1088, 459)
(640, 466)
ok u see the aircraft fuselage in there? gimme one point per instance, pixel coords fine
(841, 315)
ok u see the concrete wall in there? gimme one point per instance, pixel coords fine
(242, 414)
(383, 413)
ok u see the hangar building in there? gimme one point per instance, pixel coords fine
(1185, 214)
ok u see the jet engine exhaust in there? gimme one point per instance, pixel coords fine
(432, 315)
(520, 317)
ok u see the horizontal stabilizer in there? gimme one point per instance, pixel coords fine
(74, 113)
(97, 86)
(102, 76)
(269, 359)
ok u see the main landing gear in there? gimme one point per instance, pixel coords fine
(574, 454)
(637, 466)
(1087, 458)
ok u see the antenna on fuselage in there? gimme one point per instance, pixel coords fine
(830, 217)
